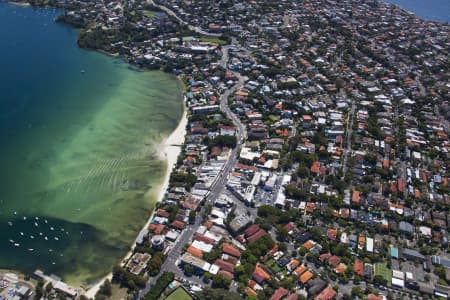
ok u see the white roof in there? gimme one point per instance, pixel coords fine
(214, 269)
(204, 247)
(172, 235)
(398, 282)
(369, 244)
(409, 275)
(398, 274)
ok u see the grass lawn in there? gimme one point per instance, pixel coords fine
(270, 262)
(274, 118)
(118, 293)
(213, 40)
(149, 13)
(179, 294)
(382, 270)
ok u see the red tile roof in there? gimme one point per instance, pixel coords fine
(334, 260)
(202, 238)
(355, 196)
(156, 228)
(279, 293)
(194, 251)
(306, 277)
(256, 236)
(226, 274)
(358, 267)
(327, 294)
(293, 296)
(229, 249)
(223, 265)
(178, 224)
(251, 230)
(162, 213)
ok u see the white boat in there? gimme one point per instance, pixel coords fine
(15, 213)
(45, 221)
(62, 229)
(11, 241)
(10, 223)
(17, 244)
(56, 238)
(24, 218)
(30, 249)
(35, 224)
(31, 236)
(37, 219)
(40, 233)
(51, 228)
(21, 233)
(46, 238)
(50, 250)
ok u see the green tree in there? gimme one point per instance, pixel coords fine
(220, 281)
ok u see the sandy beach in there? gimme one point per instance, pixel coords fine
(170, 148)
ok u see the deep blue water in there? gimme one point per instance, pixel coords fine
(434, 10)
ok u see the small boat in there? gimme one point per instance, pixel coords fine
(45, 221)
(17, 244)
(24, 218)
(10, 223)
(62, 229)
(21, 233)
(30, 249)
(56, 238)
(35, 224)
(82, 71)
(50, 250)
(53, 263)
(40, 233)
(31, 236)
(51, 228)
(37, 219)
(15, 213)
(46, 238)
(11, 241)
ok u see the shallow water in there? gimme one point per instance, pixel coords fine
(78, 135)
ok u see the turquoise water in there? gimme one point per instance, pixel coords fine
(79, 135)
(434, 10)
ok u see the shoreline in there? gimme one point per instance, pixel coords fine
(170, 148)
(167, 150)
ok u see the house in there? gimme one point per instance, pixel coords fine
(358, 267)
(279, 293)
(224, 265)
(306, 277)
(327, 294)
(368, 271)
(138, 262)
(315, 286)
(405, 228)
(230, 250)
(413, 255)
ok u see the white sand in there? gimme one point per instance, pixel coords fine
(170, 148)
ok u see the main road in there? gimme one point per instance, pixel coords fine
(171, 261)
